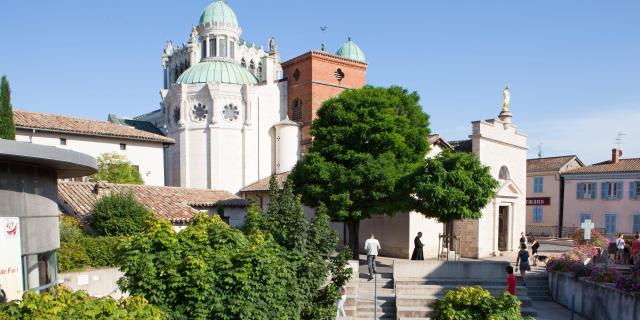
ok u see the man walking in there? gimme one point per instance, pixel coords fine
(371, 246)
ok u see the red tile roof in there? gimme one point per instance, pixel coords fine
(549, 163)
(623, 166)
(172, 203)
(58, 123)
(263, 185)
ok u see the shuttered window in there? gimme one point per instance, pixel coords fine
(610, 222)
(538, 183)
(537, 214)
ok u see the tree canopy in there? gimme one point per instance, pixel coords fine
(7, 126)
(452, 186)
(365, 142)
(114, 168)
(119, 214)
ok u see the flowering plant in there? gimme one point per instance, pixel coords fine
(605, 274)
(573, 260)
(597, 238)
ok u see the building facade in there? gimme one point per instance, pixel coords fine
(96, 138)
(545, 191)
(608, 193)
(234, 110)
(29, 215)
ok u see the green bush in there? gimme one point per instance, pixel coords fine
(63, 304)
(119, 214)
(476, 303)
(79, 251)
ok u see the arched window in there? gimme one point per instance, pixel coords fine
(243, 62)
(222, 47)
(296, 110)
(259, 72)
(252, 67)
(204, 49)
(504, 173)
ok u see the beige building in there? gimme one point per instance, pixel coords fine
(544, 193)
(144, 149)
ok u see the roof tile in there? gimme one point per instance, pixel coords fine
(263, 185)
(549, 163)
(623, 166)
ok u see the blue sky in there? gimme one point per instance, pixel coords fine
(573, 66)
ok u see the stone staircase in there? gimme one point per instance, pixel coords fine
(414, 300)
(386, 302)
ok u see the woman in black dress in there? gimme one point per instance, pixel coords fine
(417, 251)
(534, 250)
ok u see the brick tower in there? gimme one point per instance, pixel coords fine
(316, 76)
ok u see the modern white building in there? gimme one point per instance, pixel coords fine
(142, 148)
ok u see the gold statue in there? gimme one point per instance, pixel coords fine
(507, 96)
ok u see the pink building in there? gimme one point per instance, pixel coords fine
(544, 193)
(608, 193)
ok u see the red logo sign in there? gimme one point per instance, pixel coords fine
(10, 228)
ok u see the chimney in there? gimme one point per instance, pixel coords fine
(101, 188)
(615, 155)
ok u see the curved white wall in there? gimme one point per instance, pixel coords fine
(286, 145)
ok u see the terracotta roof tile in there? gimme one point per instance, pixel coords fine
(58, 123)
(263, 185)
(462, 145)
(549, 163)
(172, 203)
(624, 165)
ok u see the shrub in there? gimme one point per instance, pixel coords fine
(119, 214)
(605, 274)
(114, 168)
(573, 260)
(79, 251)
(63, 304)
(476, 303)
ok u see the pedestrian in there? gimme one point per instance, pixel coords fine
(534, 250)
(418, 254)
(3, 295)
(511, 281)
(620, 247)
(341, 301)
(372, 245)
(523, 262)
(523, 239)
(635, 248)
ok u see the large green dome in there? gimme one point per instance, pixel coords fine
(350, 50)
(220, 13)
(221, 71)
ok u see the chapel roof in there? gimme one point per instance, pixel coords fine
(219, 12)
(351, 50)
(172, 203)
(57, 123)
(550, 163)
(217, 70)
(462, 145)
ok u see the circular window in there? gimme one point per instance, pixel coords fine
(176, 115)
(230, 112)
(339, 74)
(200, 112)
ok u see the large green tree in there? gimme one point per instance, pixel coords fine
(119, 214)
(114, 168)
(7, 126)
(452, 186)
(365, 141)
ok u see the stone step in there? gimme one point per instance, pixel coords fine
(406, 289)
(428, 312)
(427, 300)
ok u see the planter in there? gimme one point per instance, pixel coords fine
(593, 300)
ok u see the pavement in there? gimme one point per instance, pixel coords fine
(549, 310)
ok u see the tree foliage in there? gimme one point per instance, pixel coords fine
(119, 214)
(275, 269)
(7, 126)
(476, 303)
(365, 142)
(62, 304)
(114, 168)
(452, 186)
(79, 251)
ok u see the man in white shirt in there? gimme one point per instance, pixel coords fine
(371, 246)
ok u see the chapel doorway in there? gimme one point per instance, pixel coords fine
(503, 227)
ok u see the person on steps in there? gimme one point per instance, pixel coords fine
(372, 245)
(418, 254)
(523, 262)
(511, 281)
(534, 250)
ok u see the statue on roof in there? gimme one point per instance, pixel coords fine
(507, 97)
(194, 35)
(273, 48)
(169, 48)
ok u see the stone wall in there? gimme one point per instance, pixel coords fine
(98, 283)
(593, 300)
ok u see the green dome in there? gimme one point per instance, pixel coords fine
(350, 50)
(217, 71)
(219, 12)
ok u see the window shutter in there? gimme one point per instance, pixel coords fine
(605, 190)
(619, 190)
(579, 190)
(594, 187)
(633, 194)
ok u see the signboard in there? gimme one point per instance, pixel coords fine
(541, 201)
(10, 259)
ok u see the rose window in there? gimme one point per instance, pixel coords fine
(200, 112)
(230, 112)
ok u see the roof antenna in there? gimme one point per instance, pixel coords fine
(323, 29)
(540, 150)
(619, 138)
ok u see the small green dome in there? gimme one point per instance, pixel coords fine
(219, 12)
(221, 71)
(350, 50)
